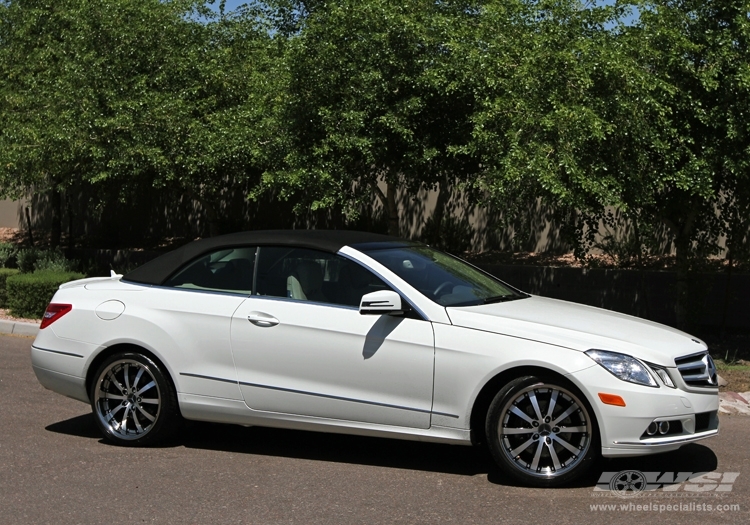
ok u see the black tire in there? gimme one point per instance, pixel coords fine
(134, 401)
(538, 445)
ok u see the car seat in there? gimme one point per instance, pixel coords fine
(306, 282)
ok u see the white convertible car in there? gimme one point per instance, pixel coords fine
(358, 333)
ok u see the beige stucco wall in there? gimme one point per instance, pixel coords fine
(9, 213)
(485, 230)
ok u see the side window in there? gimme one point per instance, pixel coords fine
(225, 270)
(311, 275)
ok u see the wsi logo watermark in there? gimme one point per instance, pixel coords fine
(632, 483)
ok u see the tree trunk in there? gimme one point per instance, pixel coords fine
(392, 209)
(71, 240)
(28, 226)
(210, 208)
(433, 233)
(683, 234)
(682, 252)
(56, 209)
(727, 294)
(642, 311)
(388, 200)
(214, 227)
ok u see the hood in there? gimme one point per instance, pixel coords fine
(579, 327)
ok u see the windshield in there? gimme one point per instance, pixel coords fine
(445, 279)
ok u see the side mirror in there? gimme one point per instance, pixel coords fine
(380, 303)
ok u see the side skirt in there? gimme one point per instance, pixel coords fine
(219, 410)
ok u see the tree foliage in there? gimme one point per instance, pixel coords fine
(111, 93)
(369, 103)
(333, 104)
(690, 157)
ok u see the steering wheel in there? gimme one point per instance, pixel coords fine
(441, 290)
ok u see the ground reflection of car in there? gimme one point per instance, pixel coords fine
(358, 333)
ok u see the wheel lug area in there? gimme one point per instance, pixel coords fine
(555, 429)
(535, 437)
(548, 440)
(547, 419)
(535, 424)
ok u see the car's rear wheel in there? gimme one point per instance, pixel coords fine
(541, 432)
(134, 402)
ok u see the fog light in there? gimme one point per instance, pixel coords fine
(663, 427)
(652, 428)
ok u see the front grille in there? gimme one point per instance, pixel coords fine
(697, 369)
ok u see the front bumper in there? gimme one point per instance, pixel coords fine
(693, 415)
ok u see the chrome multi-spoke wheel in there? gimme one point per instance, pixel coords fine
(131, 399)
(541, 432)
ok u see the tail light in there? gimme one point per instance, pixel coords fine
(54, 312)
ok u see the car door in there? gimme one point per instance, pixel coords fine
(301, 347)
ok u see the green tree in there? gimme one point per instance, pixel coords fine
(370, 102)
(116, 96)
(546, 76)
(690, 163)
(586, 111)
(83, 92)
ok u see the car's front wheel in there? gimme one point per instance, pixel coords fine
(541, 432)
(133, 400)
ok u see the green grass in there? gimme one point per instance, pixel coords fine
(721, 365)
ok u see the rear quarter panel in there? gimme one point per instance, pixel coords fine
(187, 333)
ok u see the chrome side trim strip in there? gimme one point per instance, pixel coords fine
(338, 398)
(446, 415)
(55, 351)
(209, 378)
(301, 301)
(192, 290)
(671, 441)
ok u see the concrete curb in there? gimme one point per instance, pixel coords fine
(734, 403)
(18, 328)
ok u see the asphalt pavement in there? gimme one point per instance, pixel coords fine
(55, 468)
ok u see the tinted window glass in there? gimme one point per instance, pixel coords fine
(311, 275)
(226, 270)
(444, 279)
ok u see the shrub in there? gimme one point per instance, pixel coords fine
(26, 258)
(7, 255)
(54, 261)
(34, 260)
(30, 293)
(4, 274)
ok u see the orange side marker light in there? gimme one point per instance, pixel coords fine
(612, 399)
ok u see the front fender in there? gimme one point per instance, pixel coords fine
(466, 360)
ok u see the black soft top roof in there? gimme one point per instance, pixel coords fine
(158, 270)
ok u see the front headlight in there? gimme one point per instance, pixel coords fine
(623, 367)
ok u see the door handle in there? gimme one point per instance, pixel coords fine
(261, 319)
